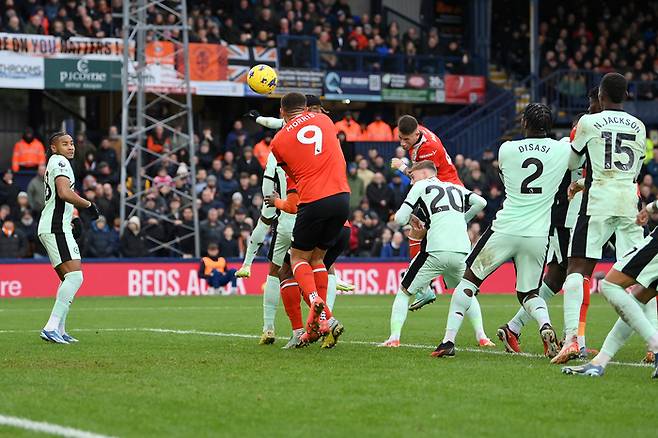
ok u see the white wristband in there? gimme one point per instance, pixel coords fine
(651, 207)
(402, 167)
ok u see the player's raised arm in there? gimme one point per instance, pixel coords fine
(476, 204)
(403, 215)
(268, 122)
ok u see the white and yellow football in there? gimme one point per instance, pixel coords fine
(262, 79)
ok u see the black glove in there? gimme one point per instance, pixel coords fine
(76, 223)
(253, 114)
(93, 211)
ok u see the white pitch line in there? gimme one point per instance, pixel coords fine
(369, 343)
(49, 428)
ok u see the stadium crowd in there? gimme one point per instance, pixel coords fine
(228, 187)
(329, 23)
(620, 36)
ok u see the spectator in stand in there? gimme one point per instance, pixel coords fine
(380, 197)
(349, 126)
(157, 141)
(229, 161)
(369, 234)
(494, 203)
(397, 247)
(12, 242)
(379, 130)
(357, 186)
(22, 206)
(326, 48)
(133, 241)
(211, 230)
(108, 203)
(228, 246)
(183, 231)
(29, 152)
(13, 25)
(399, 185)
(227, 186)
(208, 202)
(237, 138)
(262, 149)
(27, 226)
(101, 240)
(364, 172)
(476, 179)
(35, 190)
(8, 190)
(205, 157)
(248, 163)
(163, 178)
(106, 154)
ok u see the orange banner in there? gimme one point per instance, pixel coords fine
(160, 52)
(208, 62)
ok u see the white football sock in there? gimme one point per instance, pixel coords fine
(474, 315)
(536, 307)
(331, 291)
(573, 299)
(65, 294)
(399, 314)
(459, 304)
(613, 342)
(255, 242)
(271, 296)
(522, 317)
(630, 311)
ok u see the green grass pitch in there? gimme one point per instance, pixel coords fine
(203, 374)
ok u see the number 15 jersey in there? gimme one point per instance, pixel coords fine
(308, 149)
(613, 143)
(532, 170)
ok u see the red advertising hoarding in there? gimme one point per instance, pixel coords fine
(154, 278)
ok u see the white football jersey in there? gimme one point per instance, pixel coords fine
(444, 205)
(57, 215)
(613, 143)
(532, 170)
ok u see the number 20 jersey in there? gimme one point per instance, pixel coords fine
(613, 143)
(531, 170)
(443, 205)
(308, 149)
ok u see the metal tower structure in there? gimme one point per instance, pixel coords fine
(148, 107)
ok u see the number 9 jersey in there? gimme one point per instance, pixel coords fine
(532, 170)
(613, 143)
(307, 147)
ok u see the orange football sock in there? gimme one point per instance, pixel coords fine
(584, 307)
(290, 298)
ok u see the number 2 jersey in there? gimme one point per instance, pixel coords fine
(613, 143)
(57, 214)
(532, 170)
(307, 147)
(446, 207)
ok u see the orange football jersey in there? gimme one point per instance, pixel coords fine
(308, 149)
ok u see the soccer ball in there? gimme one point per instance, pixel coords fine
(262, 79)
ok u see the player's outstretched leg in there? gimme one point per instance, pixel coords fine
(255, 242)
(461, 300)
(270, 303)
(65, 294)
(510, 333)
(422, 299)
(474, 315)
(573, 299)
(398, 317)
(651, 312)
(290, 295)
(537, 308)
(613, 342)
